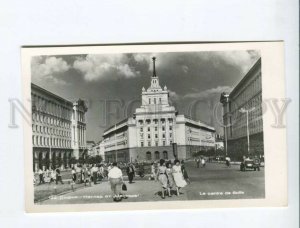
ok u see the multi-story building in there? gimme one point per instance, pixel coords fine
(242, 109)
(219, 142)
(90, 145)
(58, 129)
(156, 131)
(98, 149)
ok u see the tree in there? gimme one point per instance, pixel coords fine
(98, 159)
(73, 160)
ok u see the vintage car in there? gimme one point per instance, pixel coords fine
(250, 163)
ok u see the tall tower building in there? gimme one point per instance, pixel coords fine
(155, 130)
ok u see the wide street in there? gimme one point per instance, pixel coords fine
(215, 181)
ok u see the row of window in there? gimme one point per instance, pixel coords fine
(254, 127)
(156, 128)
(154, 101)
(124, 142)
(157, 155)
(41, 104)
(46, 141)
(155, 121)
(36, 117)
(49, 130)
(249, 91)
(155, 136)
(155, 143)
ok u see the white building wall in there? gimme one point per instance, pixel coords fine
(180, 134)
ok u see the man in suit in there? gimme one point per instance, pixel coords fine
(130, 172)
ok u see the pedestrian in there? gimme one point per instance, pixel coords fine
(203, 162)
(106, 171)
(109, 167)
(115, 178)
(94, 172)
(87, 175)
(198, 162)
(41, 176)
(73, 175)
(47, 177)
(153, 172)
(171, 182)
(53, 176)
(82, 176)
(184, 172)
(162, 176)
(178, 176)
(78, 173)
(141, 170)
(130, 172)
(101, 172)
(227, 161)
(58, 176)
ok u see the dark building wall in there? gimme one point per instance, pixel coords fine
(58, 158)
(237, 148)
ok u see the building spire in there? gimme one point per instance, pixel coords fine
(154, 72)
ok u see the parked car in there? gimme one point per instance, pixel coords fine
(250, 163)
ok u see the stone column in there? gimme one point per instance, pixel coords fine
(84, 136)
(68, 159)
(62, 160)
(43, 160)
(36, 161)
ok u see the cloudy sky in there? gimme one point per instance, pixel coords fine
(112, 84)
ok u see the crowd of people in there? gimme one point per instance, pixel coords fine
(48, 176)
(172, 176)
(85, 173)
(201, 160)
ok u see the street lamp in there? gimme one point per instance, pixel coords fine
(50, 155)
(243, 110)
(224, 100)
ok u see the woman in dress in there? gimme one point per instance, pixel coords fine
(162, 176)
(178, 176)
(153, 172)
(171, 182)
(73, 175)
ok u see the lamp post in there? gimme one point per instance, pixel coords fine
(225, 100)
(50, 155)
(243, 110)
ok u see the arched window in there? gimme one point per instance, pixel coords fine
(148, 156)
(165, 154)
(156, 154)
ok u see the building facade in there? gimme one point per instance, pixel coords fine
(243, 122)
(58, 129)
(156, 131)
(90, 145)
(219, 142)
(98, 149)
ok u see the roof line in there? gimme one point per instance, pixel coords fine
(50, 93)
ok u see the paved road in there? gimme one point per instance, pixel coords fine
(215, 181)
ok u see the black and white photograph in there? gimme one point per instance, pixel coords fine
(133, 113)
(127, 127)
